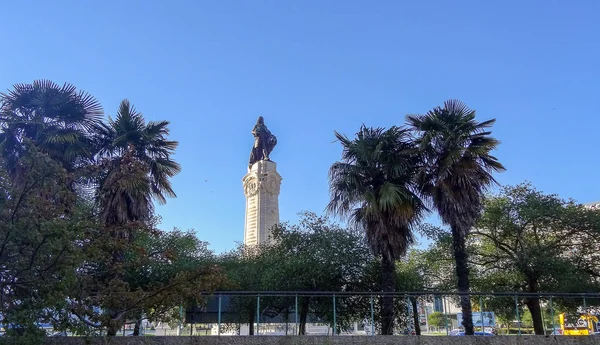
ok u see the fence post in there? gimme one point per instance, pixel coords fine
(552, 314)
(257, 315)
(219, 318)
(296, 314)
(334, 317)
(543, 320)
(372, 317)
(481, 312)
(517, 310)
(408, 309)
(180, 328)
(426, 318)
(445, 313)
(587, 315)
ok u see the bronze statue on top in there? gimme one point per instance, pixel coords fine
(264, 142)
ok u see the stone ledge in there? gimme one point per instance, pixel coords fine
(324, 340)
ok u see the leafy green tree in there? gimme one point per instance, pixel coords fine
(313, 255)
(371, 281)
(317, 255)
(457, 169)
(80, 264)
(160, 270)
(437, 319)
(528, 241)
(58, 120)
(414, 275)
(438, 259)
(373, 186)
(247, 269)
(41, 220)
(174, 261)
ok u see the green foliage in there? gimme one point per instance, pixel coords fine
(159, 270)
(80, 262)
(456, 169)
(58, 120)
(437, 319)
(79, 245)
(336, 257)
(147, 143)
(124, 192)
(438, 259)
(457, 162)
(529, 241)
(40, 222)
(246, 269)
(314, 255)
(177, 263)
(415, 272)
(533, 242)
(373, 186)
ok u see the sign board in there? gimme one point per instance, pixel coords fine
(575, 322)
(489, 319)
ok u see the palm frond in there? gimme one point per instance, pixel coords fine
(372, 187)
(52, 117)
(129, 136)
(457, 167)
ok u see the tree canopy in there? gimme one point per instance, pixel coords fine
(81, 246)
(374, 187)
(533, 242)
(456, 170)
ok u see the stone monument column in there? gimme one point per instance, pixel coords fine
(261, 187)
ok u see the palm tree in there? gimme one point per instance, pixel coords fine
(372, 186)
(456, 171)
(136, 167)
(56, 119)
(138, 163)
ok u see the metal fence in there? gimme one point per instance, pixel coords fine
(339, 313)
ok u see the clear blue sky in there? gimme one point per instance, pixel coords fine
(311, 67)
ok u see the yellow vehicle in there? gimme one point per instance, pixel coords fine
(585, 324)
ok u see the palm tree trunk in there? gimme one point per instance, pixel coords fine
(462, 272)
(388, 284)
(413, 300)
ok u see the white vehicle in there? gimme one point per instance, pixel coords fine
(454, 332)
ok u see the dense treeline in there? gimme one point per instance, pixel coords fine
(79, 243)
(80, 247)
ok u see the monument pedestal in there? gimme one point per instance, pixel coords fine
(261, 187)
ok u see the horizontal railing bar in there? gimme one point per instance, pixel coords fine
(402, 293)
